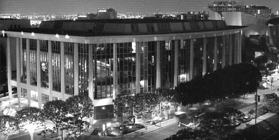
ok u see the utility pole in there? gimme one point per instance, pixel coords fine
(256, 113)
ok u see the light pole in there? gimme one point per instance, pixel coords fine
(256, 113)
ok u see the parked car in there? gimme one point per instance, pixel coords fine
(185, 120)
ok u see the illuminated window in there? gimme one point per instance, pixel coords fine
(23, 62)
(69, 68)
(44, 63)
(83, 51)
(103, 70)
(33, 61)
(56, 66)
(126, 56)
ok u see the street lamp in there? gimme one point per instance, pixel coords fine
(256, 111)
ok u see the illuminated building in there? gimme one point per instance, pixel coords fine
(101, 58)
(106, 14)
(262, 12)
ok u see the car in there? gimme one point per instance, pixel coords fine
(185, 120)
(244, 119)
(114, 131)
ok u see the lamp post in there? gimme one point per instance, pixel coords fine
(256, 112)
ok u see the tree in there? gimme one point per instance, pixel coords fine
(217, 124)
(124, 103)
(3, 73)
(8, 126)
(229, 82)
(55, 111)
(30, 119)
(79, 108)
(272, 102)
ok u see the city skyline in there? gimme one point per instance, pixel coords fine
(122, 6)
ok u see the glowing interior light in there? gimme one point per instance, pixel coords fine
(67, 36)
(3, 33)
(32, 33)
(22, 33)
(56, 35)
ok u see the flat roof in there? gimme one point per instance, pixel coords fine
(118, 27)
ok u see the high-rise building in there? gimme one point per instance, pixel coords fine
(262, 12)
(201, 15)
(106, 14)
(102, 58)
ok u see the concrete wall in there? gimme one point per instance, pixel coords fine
(13, 24)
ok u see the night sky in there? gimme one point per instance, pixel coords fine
(91, 6)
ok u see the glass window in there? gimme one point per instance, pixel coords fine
(56, 65)
(33, 61)
(24, 93)
(13, 59)
(69, 68)
(198, 53)
(45, 99)
(201, 25)
(103, 70)
(219, 52)
(187, 26)
(150, 27)
(44, 63)
(126, 67)
(167, 63)
(23, 61)
(209, 55)
(208, 25)
(234, 49)
(134, 28)
(83, 50)
(184, 61)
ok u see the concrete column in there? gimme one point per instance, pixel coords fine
(191, 59)
(158, 65)
(62, 69)
(223, 52)
(9, 71)
(90, 80)
(76, 69)
(28, 69)
(39, 74)
(240, 47)
(204, 60)
(138, 48)
(18, 61)
(115, 71)
(230, 49)
(20, 57)
(176, 53)
(215, 54)
(50, 70)
(91, 89)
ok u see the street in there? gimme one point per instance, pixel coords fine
(160, 134)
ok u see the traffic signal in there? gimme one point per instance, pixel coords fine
(257, 97)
